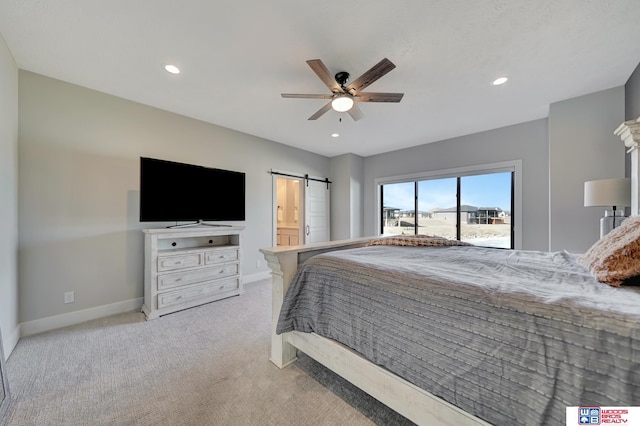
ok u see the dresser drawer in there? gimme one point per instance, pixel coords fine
(198, 292)
(220, 256)
(178, 279)
(182, 261)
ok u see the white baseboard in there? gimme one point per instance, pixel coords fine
(64, 320)
(77, 317)
(264, 275)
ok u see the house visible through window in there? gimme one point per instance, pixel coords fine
(476, 207)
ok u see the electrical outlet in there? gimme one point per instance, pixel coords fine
(69, 297)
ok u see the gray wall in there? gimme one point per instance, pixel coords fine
(357, 196)
(575, 144)
(632, 96)
(78, 190)
(631, 108)
(526, 141)
(78, 183)
(347, 172)
(8, 198)
(582, 147)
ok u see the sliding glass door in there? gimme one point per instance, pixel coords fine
(438, 207)
(476, 208)
(398, 208)
(485, 209)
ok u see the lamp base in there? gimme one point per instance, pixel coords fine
(611, 220)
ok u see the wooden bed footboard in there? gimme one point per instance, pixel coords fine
(416, 404)
(284, 262)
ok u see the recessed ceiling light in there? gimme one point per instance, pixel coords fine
(172, 69)
(500, 81)
(335, 135)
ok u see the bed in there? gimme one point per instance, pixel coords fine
(462, 335)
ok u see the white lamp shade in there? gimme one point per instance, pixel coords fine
(342, 103)
(607, 193)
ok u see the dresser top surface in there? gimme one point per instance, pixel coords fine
(194, 231)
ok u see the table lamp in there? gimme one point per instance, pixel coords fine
(608, 193)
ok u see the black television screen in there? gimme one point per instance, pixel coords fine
(172, 192)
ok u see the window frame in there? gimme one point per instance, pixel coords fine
(514, 166)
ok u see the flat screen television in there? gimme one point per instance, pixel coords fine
(175, 192)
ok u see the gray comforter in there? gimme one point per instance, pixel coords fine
(512, 337)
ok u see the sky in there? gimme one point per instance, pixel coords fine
(486, 190)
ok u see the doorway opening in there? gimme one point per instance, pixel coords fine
(289, 215)
(301, 209)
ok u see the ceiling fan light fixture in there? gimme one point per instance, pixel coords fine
(342, 97)
(342, 103)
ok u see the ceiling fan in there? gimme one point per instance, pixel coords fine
(344, 98)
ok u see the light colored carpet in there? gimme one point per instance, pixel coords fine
(202, 366)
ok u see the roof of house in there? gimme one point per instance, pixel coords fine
(466, 208)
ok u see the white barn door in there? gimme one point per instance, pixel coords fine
(316, 211)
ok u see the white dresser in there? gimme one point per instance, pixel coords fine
(187, 267)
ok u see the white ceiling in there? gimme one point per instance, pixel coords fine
(237, 56)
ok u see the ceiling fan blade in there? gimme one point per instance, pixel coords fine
(304, 96)
(323, 73)
(378, 97)
(355, 112)
(377, 71)
(321, 111)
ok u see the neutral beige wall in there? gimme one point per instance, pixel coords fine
(8, 198)
(78, 188)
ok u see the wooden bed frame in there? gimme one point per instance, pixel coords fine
(414, 403)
